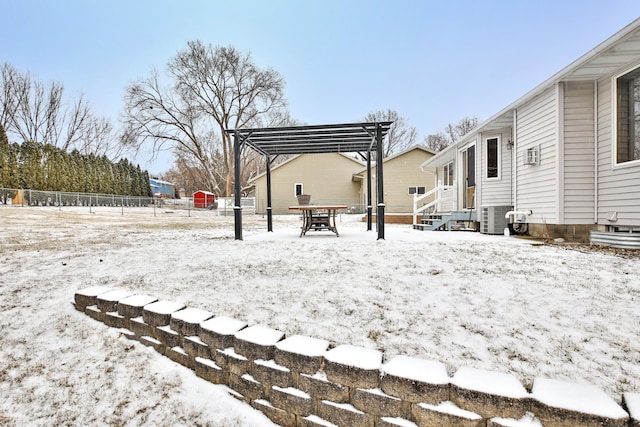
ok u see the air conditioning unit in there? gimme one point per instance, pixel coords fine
(531, 156)
(492, 220)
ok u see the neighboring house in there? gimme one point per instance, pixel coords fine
(565, 157)
(162, 189)
(327, 178)
(340, 178)
(402, 179)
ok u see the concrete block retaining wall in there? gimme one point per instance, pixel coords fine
(308, 382)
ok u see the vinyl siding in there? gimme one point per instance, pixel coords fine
(537, 187)
(496, 191)
(618, 185)
(579, 167)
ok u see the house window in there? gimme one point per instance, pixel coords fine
(628, 117)
(416, 190)
(448, 174)
(297, 189)
(493, 158)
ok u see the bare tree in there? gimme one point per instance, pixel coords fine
(401, 135)
(33, 111)
(451, 133)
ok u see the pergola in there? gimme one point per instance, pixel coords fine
(362, 138)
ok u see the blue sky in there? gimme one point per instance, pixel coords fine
(434, 62)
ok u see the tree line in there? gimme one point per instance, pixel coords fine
(49, 168)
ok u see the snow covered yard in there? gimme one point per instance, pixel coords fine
(465, 299)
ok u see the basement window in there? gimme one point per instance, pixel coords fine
(627, 141)
(417, 190)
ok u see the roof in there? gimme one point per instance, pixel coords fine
(336, 138)
(395, 156)
(208, 193)
(605, 59)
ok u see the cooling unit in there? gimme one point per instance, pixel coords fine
(492, 220)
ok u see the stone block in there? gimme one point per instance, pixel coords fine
(168, 336)
(196, 348)
(321, 388)
(208, 370)
(178, 355)
(114, 320)
(159, 313)
(376, 402)
(218, 332)
(343, 414)
(88, 296)
(291, 400)
(152, 342)
(353, 366)
(527, 421)
(560, 404)
(446, 414)
(140, 328)
(314, 421)
(235, 394)
(187, 321)
(269, 372)
(108, 301)
(415, 380)
(93, 312)
(131, 307)
(247, 386)
(301, 354)
(232, 362)
(257, 342)
(278, 416)
(631, 402)
(489, 394)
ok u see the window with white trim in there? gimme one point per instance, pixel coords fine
(627, 98)
(493, 158)
(297, 189)
(448, 174)
(417, 190)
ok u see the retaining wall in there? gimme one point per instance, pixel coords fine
(303, 381)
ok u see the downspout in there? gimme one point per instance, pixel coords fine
(595, 149)
(514, 189)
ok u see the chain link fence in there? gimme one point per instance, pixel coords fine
(27, 197)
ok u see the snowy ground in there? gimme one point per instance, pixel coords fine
(465, 299)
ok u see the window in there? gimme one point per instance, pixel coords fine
(297, 189)
(417, 190)
(493, 158)
(628, 117)
(448, 174)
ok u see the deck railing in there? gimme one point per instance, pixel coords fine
(442, 201)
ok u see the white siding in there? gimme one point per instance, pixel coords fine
(536, 185)
(618, 186)
(579, 167)
(495, 191)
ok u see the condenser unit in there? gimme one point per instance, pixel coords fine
(492, 220)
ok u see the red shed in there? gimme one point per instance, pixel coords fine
(203, 199)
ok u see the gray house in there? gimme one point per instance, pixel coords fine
(561, 161)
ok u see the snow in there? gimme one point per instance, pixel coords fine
(400, 422)
(115, 295)
(260, 335)
(138, 300)
(464, 299)
(632, 403)
(413, 368)
(451, 409)
(223, 325)
(306, 346)
(192, 315)
(164, 307)
(317, 420)
(496, 383)
(94, 291)
(359, 357)
(271, 364)
(292, 391)
(527, 421)
(584, 398)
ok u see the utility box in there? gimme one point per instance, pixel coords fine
(492, 220)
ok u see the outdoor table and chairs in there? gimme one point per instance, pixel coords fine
(318, 217)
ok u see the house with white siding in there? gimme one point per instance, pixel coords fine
(561, 161)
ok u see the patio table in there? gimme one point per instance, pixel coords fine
(318, 217)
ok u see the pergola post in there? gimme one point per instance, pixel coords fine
(269, 212)
(237, 208)
(369, 202)
(379, 182)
